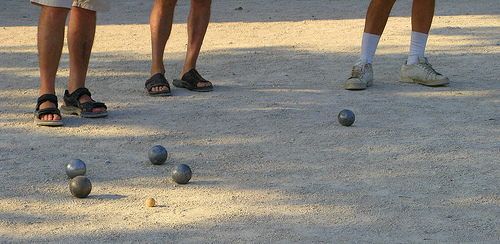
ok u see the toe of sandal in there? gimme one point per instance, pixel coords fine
(45, 111)
(156, 81)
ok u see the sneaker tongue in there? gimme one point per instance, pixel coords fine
(360, 62)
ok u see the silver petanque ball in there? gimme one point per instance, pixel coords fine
(346, 117)
(181, 174)
(157, 155)
(80, 186)
(75, 167)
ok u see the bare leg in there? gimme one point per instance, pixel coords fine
(81, 32)
(162, 17)
(422, 13)
(50, 43)
(198, 20)
(377, 15)
(421, 19)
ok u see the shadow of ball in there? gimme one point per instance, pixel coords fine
(75, 167)
(346, 117)
(181, 174)
(157, 155)
(80, 186)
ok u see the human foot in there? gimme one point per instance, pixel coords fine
(158, 85)
(193, 81)
(361, 76)
(46, 112)
(79, 102)
(422, 73)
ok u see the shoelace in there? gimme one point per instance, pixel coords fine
(356, 71)
(428, 67)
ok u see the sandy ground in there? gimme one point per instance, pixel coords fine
(270, 161)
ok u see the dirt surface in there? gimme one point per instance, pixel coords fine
(270, 161)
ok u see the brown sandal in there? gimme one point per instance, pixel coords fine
(190, 81)
(155, 81)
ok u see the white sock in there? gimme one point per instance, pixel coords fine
(369, 46)
(417, 47)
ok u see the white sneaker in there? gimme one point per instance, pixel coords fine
(422, 72)
(361, 76)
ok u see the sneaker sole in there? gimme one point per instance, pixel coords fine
(355, 86)
(436, 83)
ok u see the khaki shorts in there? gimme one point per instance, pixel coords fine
(94, 5)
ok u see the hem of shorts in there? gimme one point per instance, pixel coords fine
(50, 4)
(91, 7)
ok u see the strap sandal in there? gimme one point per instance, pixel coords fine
(190, 81)
(74, 107)
(52, 110)
(156, 81)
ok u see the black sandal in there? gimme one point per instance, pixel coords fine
(190, 81)
(53, 110)
(73, 106)
(155, 81)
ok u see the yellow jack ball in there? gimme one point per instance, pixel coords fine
(150, 202)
